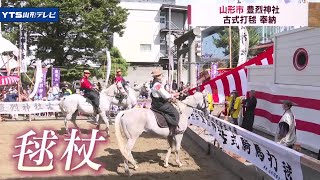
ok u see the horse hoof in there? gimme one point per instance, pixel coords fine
(128, 173)
(135, 167)
(165, 165)
(180, 165)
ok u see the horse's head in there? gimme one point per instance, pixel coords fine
(199, 100)
(120, 89)
(146, 86)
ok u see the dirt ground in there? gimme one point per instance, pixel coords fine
(148, 151)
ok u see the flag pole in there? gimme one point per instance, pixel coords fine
(19, 64)
(230, 46)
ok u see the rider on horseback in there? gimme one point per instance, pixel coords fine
(120, 79)
(161, 101)
(89, 91)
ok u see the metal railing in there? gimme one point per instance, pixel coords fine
(173, 26)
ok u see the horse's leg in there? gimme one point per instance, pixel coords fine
(178, 139)
(104, 117)
(126, 167)
(130, 144)
(98, 122)
(171, 147)
(68, 117)
(73, 120)
(167, 157)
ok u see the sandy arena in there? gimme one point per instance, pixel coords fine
(148, 151)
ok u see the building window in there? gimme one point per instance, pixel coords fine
(145, 47)
(300, 59)
(162, 20)
(162, 17)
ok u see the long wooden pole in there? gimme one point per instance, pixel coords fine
(230, 46)
(19, 65)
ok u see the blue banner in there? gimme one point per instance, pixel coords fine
(29, 14)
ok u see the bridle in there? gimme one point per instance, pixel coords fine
(202, 107)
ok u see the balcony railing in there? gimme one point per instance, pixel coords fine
(267, 32)
(172, 25)
(173, 51)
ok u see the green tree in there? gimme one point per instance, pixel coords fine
(117, 62)
(84, 28)
(223, 42)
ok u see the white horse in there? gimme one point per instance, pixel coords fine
(143, 90)
(130, 124)
(71, 105)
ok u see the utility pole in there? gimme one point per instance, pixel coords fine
(171, 63)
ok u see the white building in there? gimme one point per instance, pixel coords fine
(145, 41)
(293, 76)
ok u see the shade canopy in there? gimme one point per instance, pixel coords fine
(7, 46)
(8, 80)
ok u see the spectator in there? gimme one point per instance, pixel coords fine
(66, 91)
(174, 85)
(11, 96)
(166, 86)
(55, 91)
(286, 130)
(234, 106)
(181, 86)
(51, 97)
(210, 101)
(250, 105)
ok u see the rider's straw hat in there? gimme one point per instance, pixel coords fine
(156, 72)
(86, 71)
(288, 102)
(118, 70)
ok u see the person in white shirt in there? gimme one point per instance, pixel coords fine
(161, 101)
(286, 130)
(55, 91)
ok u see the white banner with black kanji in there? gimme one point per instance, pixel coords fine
(31, 107)
(279, 162)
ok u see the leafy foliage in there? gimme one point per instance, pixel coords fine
(84, 28)
(223, 42)
(76, 72)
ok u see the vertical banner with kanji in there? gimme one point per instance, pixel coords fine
(243, 45)
(42, 89)
(23, 48)
(279, 162)
(55, 77)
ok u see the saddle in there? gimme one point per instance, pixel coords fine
(161, 120)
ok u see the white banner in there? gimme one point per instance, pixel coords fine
(243, 45)
(278, 162)
(29, 107)
(249, 14)
(38, 78)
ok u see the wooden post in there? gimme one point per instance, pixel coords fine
(19, 74)
(314, 14)
(29, 78)
(230, 46)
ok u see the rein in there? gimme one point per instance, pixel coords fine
(197, 107)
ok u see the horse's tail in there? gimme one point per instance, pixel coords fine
(121, 138)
